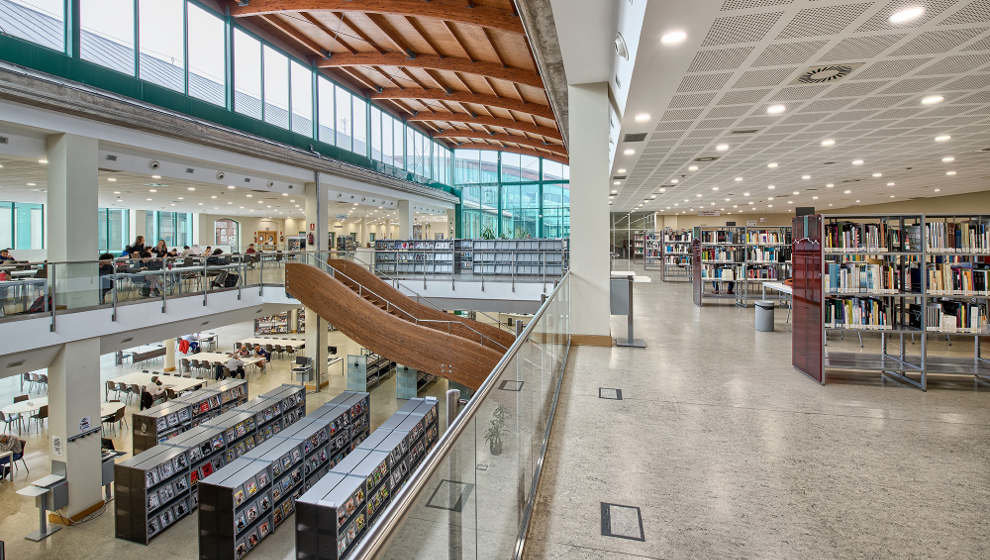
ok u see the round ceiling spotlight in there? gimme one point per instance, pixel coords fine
(674, 37)
(828, 143)
(620, 46)
(932, 99)
(722, 147)
(776, 109)
(943, 138)
(824, 74)
(906, 15)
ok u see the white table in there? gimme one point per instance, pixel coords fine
(273, 341)
(217, 358)
(32, 406)
(174, 382)
(778, 286)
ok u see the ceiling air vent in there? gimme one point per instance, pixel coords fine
(745, 131)
(638, 137)
(826, 73)
(619, 177)
(706, 158)
(3, 140)
(190, 170)
(111, 157)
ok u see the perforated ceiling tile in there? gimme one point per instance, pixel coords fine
(716, 123)
(729, 5)
(681, 114)
(721, 59)
(788, 53)
(976, 81)
(678, 125)
(958, 64)
(855, 89)
(739, 97)
(915, 85)
(794, 93)
(859, 48)
(880, 21)
(691, 100)
(729, 111)
(805, 118)
(979, 45)
(933, 42)
(703, 82)
(757, 122)
(891, 68)
(979, 97)
(740, 29)
(849, 116)
(977, 11)
(827, 20)
(769, 77)
(898, 113)
(879, 102)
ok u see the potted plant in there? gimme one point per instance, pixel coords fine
(496, 427)
(488, 233)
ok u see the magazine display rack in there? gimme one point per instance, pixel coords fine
(169, 419)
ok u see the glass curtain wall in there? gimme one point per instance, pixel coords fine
(174, 227)
(182, 45)
(22, 226)
(510, 195)
(113, 224)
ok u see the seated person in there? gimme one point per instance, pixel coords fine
(244, 351)
(262, 353)
(5, 256)
(13, 445)
(235, 366)
(106, 269)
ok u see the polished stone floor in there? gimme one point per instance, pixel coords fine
(95, 538)
(728, 452)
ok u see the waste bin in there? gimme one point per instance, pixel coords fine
(764, 316)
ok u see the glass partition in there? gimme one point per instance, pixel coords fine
(207, 58)
(473, 493)
(160, 38)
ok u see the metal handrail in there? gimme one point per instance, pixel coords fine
(376, 535)
(415, 319)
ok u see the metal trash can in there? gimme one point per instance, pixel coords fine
(764, 316)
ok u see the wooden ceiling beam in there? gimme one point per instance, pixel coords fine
(450, 10)
(457, 39)
(345, 21)
(509, 138)
(519, 126)
(386, 75)
(391, 34)
(330, 32)
(518, 75)
(462, 97)
(525, 151)
(418, 28)
(296, 35)
(356, 76)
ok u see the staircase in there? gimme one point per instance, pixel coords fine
(385, 321)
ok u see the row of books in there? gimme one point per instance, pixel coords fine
(959, 279)
(722, 255)
(953, 237)
(677, 236)
(722, 236)
(677, 249)
(768, 254)
(767, 237)
(857, 313)
(857, 277)
(957, 317)
(726, 273)
(763, 273)
(870, 237)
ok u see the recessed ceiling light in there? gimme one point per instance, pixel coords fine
(790, 202)
(199, 203)
(190, 189)
(43, 161)
(877, 174)
(828, 142)
(616, 182)
(698, 195)
(950, 173)
(751, 203)
(116, 192)
(229, 202)
(674, 37)
(769, 205)
(948, 159)
(814, 198)
(721, 147)
(629, 151)
(662, 190)
(943, 138)
(829, 185)
(642, 117)
(148, 199)
(692, 168)
(152, 190)
(111, 179)
(615, 192)
(857, 162)
(738, 179)
(746, 193)
(847, 191)
(249, 195)
(674, 181)
(932, 99)
(776, 109)
(156, 176)
(180, 198)
(772, 165)
(213, 196)
(652, 196)
(938, 190)
(795, 193)
(771, 187)
(32, 184)
(714, 188)
(241, 207)
(171, 204)
(805, 177)
(285, 194)
(857, 201)
(891, 184)
(771, 198)
(620, 170)
(906, 15)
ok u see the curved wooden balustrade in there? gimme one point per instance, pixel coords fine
(427, 349)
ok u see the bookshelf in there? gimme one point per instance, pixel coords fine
(902, 277)
(768, 258)
(736, 260)
(272, 324)
(505, 257)
(242, 503)
(637, 245)
(333, 514)
(675, 251)
(653, 252)
(414, 256)
(159, 486)
(169, 419)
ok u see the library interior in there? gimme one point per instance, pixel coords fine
(321, 279)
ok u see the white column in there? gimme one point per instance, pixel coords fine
(169, 354)
(137, 220)
(451, 226)
(316, 327)
(72, 218)
(405, 220)
(74, 402)
(588, 149)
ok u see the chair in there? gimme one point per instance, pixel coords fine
(136, 391)
(111, 386)
(20, 398)
(7, 420)
(280, 350)
(40, 417)
(183, 364)
(170, 394)
(123, 418)
(14, 457)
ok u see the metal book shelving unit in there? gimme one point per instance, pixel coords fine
(734, 261)
(675, 253)
(904, 277)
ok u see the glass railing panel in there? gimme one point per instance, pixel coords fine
(474, 504)
(22, 289)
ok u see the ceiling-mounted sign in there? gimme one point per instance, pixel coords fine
(751, 223)
(709, 213)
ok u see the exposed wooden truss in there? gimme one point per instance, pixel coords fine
(503, 138)
(525, 151)
(492, 70)
(519, 126)
(459, 11)
(460, 97)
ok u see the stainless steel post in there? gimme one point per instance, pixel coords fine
(631, 341)
(454, 537)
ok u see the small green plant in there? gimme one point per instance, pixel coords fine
(496, 427)
(488, 233)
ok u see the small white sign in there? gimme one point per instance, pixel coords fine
(58, 450)
(750, 223)
(709, 213)
(84, 424)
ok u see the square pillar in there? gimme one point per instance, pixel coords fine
(72, 205)
(405, 220)
(318, 225)
(73, 404)
(588, 121)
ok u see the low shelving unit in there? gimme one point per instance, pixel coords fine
(675, 254)
(904, 278)
(732, 262)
